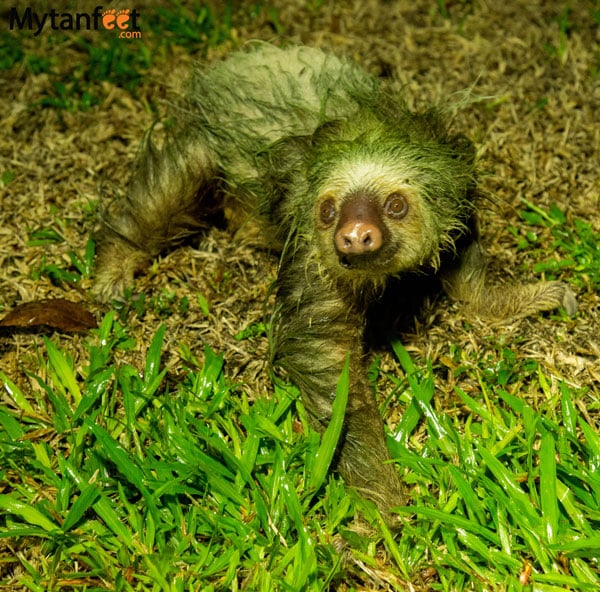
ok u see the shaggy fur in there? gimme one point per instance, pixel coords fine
(292, 144)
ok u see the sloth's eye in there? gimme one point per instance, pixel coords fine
(396, 206)
(327, 211)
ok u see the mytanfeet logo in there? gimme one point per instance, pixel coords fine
(123, 21)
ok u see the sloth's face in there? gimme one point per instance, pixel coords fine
(372, 223)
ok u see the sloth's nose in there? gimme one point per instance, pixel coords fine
(357, 238)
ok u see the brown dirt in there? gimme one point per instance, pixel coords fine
(547, 154)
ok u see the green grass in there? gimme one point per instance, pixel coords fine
(192, 26)
(176, 486)
(75, 84)
(78, 266)
(516, 486)
(563, 27)
(115, 479)
(576, 245)
(560, 47)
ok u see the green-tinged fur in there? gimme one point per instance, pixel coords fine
(300, 148)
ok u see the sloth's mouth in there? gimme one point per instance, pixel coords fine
(355, 262)
(369, 262)
(345, 262)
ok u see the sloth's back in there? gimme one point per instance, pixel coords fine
(254, 98)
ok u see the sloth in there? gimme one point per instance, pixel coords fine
(315, 159)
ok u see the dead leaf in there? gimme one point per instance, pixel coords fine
(58, 313)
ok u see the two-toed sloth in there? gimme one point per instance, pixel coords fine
(334, 172)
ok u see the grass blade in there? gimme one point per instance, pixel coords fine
(520, 501)
(152, 375)
(27, 512)
(89, 495)
(575, 513)
(15, 393)
(453, 520)
(569, 411)
(63, 370)
(124, 462)
(103, 507)
(423, 390)
(12, 428)
(93, 391)
(472, 503)
(331, 435)
(548, 495)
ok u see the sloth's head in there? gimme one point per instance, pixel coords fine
(385, 205)
(374, 226)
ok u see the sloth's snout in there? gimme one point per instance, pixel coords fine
(358, 238)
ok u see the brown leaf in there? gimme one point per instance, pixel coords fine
(57, 313)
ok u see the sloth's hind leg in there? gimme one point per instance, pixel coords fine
(171, 195)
